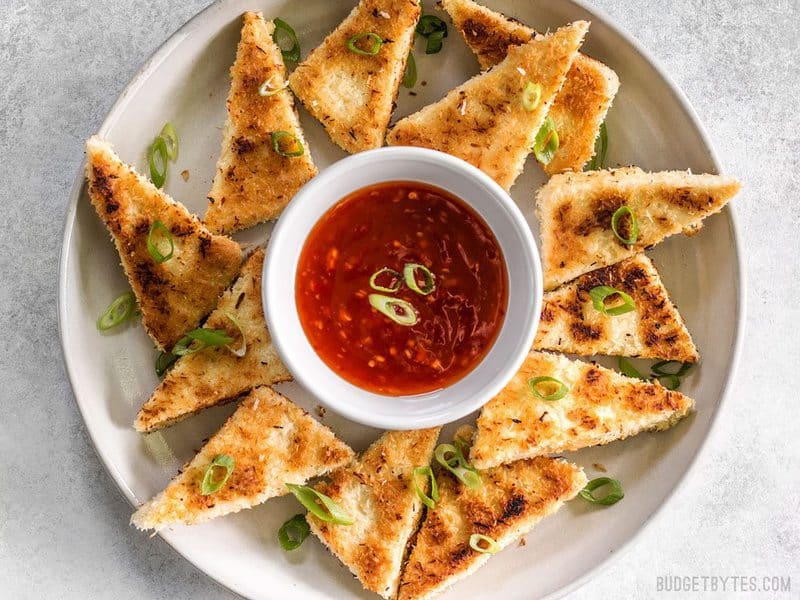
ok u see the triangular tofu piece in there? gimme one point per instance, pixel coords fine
(377, 490)
(483, 121)
(216, 375)
(570, 323)
(351, 94)
(272, 441)
(175, 295)
(575, 211)
(253, 182)
(578, 109)
(511, 500)
(600, 406)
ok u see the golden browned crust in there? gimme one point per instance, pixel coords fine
(254, 183)
(570, 323)
(601, 406)
(353, 95)
(215, 375)
(273, 442)
(378, 491)
(510, 501)
(575, 210)
(579, 107)
(484, 121)
(175, 295)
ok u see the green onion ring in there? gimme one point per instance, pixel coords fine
(293, 533)
(557, 395)
(531, 96)
(399, 311)
(429, 501)
(164, 361)
(410, 275)
(277, 136)
(267, 88)
(600, 149)
(429, 24)
(410, 73)
(546, 143)
(615, 495)
(618, 214)
(628, 369)
(282, 28)
(320, 505)
(377, 42)
(211, 483)
(659, 368)
(158, 173)
(171, 141)
(120, 310)
(434, 43)
(242, 350)
(457, 465)
(398, 279)
(492, 547)
(158, 228)
(201, 338)
(671, 382)
(601, 292)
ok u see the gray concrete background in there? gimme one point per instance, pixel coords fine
(63, 524)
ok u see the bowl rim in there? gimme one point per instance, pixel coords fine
(336, 393)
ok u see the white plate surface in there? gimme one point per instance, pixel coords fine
(186, 82)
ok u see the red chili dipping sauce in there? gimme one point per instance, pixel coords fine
(401, 288)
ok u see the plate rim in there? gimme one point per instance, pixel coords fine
(161, 53)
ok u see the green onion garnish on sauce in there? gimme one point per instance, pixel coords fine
(201, 338)
(164, 361)
(217, 474)
(320, 505)
(531, 96)
(372, 50)
(452, 458)
(620, 213)
(483, 544)
(546, 143)
(284, 33)
(284, 147)
(157, 158)
(293, 533)
(614, 495)
(599, 295)
(428, 500)
(120, 310)
(399, 311)
(628, 369)
(395, 282)
(268, 88)
(538, 383)
(600, 149)
(160, 244)
(410, 74)
(410, 275)
(434, 30)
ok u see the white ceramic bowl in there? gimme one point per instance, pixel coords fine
(513, 235)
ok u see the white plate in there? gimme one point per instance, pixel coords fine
(186, 82)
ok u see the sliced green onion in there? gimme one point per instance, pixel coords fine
(293, 533)
(212, 481)
(268, 88)
(320, 505)
(628, 369)
(546, 143)
(660, 368)
(377, 42)
(601, 292)
(399, 311)
(201, 338)
(283, 29)
(618, 214)
(277, 136)
(531, 96)
(600, 149)
(558, 394)
(158, 168)
(671, 382)
(434, 30)
(120, 310)
(477, 539)
(434, 43)
(171, 141)
(615, 494)
(164, 361)
(410, 74)
(452, 458)
(157, 236)
(410, 275)
(242, 349)
(396, 283)
(429, 501)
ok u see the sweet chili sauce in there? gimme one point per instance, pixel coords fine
(391, 225)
